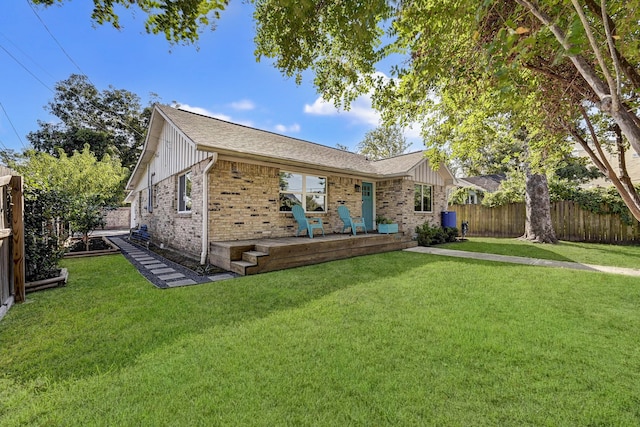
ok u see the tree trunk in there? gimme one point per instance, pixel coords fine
(538, 227)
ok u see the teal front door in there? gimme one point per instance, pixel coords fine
(367, 204)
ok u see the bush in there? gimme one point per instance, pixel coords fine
(44, 233)
(429, 235)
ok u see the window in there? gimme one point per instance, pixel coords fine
(184, 192)
(306, 190)
(422, 198)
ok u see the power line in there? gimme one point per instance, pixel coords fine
(26, 55)
(53, 37)
(12, 126)
(25, 68)
(99, 108)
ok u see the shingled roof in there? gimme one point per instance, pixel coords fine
(225, 138)
(210, 134)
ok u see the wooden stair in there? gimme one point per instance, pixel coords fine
(259, 256)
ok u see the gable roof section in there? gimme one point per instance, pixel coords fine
(214, 135)
(399, 164)
(209, 134)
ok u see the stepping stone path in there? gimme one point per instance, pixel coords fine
(162, 272)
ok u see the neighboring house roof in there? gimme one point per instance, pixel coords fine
(214, 135)
(488, 183)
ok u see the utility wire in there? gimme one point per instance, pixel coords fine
(53, 37)
(97, 107)
(12, 126)
(26, 69)
(26, 55)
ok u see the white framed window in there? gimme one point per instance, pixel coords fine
(184, 192)
(309, 191)
(422, 198)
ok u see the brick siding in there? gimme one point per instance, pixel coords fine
(395, 200)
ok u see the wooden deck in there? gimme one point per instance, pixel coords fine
(247, 257)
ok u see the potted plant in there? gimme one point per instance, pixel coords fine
(385, 225)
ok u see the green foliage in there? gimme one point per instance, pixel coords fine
(179, 20)
(383, 142)
(44, 232)
(512, 190)
(597, 200)
(80, 174)
(62, 191)
(429, 235)
(460, 195)
(86, 214)
(383, 220)
(111, 122)
(604, 201)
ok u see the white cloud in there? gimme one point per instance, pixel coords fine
(360, 111)
(294, 128)
(321, 108)
(197, 110)
(220, 116)
(243, 105)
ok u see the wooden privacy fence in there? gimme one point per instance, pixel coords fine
(570, 222)
(11, 240)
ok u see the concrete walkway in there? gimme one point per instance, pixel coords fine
(160, 271)
(524, 260)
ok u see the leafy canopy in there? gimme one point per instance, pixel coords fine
(178, 20)
(111, 121)
(78, 175)
(383, 142)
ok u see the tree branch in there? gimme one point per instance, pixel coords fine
(628, 69)
(585, 69)
(612, 45)
(596, 50)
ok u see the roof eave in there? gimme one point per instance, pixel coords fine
(290, 162)
(148, 149)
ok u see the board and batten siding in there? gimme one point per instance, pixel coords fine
(174, 154)
(423, 173)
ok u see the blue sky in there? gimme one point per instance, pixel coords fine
(221, 78)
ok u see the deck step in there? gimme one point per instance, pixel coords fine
(263, 255)
(240, 267)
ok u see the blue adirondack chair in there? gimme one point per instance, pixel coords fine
(348, 221)
(305, 223)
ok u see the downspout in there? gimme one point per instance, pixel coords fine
(205, 209)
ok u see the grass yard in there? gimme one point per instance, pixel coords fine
(585, 253)
(391, 339)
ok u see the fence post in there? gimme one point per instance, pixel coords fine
(17, 225)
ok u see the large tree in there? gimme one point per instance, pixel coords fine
(583, 53)
(111, 121)
(383, 142)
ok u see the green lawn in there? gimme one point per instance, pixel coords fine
(391, 339)
(586, 253)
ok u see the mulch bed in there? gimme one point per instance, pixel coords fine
(185, 261)
(95, 244)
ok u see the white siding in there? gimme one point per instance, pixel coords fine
(424, 174)
(174, 154)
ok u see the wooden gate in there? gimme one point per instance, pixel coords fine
(11, 240)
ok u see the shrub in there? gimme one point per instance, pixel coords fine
(383, 220)
(429, 235)
(44, 233)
